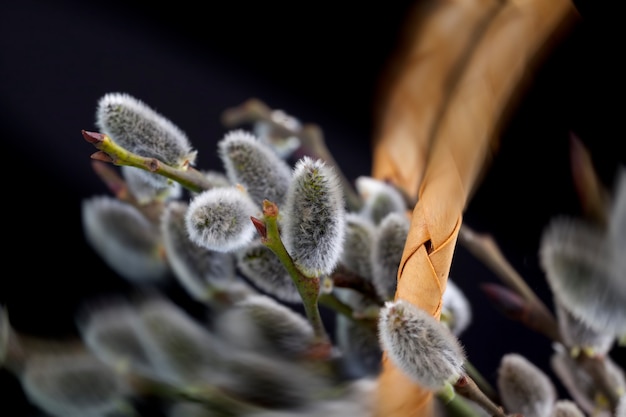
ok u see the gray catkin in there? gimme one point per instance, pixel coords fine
(581, 268)
(523, 387)
(421, 346)
(254, 165)
(72, 385)
(199, 270)
(138, 128)
(264, 269)
(313, 225)
(219, 219)
(125, 239)
(566, 408)
(356, 256)
(387, 252)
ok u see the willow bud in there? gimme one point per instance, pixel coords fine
(273, 133)
(313, 226)
(380, 198)
(72, 385)
(584, 273)
(139, 129)
(524, 388)
(255, 166)
(111, 329)
(144, 190)
(356, 256)
(456, 308)
(271, 382)
(579, 336)
(219, 219)
(183, 349)
(422, 347)
(201, 271)
(260, 323)
(566, 408)
(125, 239)
(581, 386)
(387, 249)
(265, 270)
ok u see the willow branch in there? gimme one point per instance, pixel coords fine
(109, 151)
(308, 287)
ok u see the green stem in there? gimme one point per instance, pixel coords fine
(308, 287)
(459, 407)
(187, 176)
(331, 301)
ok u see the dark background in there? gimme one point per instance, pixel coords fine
(319, 61)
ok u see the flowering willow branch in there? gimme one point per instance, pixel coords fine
(308, 287)
(520, 303)
(111, 152)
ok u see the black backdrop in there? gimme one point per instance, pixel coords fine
(319, 61)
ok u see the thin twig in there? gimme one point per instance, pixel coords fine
(466, 387)
(110, 152)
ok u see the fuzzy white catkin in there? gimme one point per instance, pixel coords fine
(200, 271)
(583, 271)
(524, 388)
(283, 146)
(219, 219)
(360, 235)
(125, 239)
(183, 348)
(144, 190)
(265, 271)
(313, 222)
(566, 408)
(271, 382)
(379, 198)
(387, 250)
(138, 128)
(111, 329)
(260, 323)
(72, 385)
(577, 334)
(579, 384)
(255, 166)
(422, 347)
(457, 307)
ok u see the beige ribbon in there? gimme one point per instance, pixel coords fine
(463, 66)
